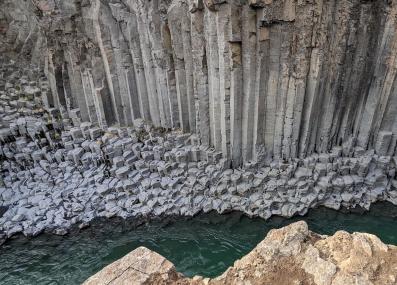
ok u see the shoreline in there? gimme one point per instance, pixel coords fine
(131, 224)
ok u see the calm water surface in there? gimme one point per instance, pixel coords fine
(205, 245)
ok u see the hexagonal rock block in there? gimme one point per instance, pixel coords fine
(122, 173)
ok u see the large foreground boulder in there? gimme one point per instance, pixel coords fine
(141, 266)
(290, 255)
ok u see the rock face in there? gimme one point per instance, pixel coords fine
(252, 78)
(57, 171)
(20, 31)
(290, 255)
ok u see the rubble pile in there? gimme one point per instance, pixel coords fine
(57, 171)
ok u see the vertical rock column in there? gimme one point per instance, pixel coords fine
(236, 85)
(299, 58)
(71, 102)
(223, 19)
(230, 80)
(170, 76)
(53, 72)
(358, 71)
(249, 63)
(150, 76)
(200, 74)
(155, 11)
(100, 92)
(89, 95)
(179, 22)
(309, 108)
(187, 50)
(76, 83)
(132, 34)
(177, 15)
(336, 53)
(211, 36)
(312, 106)
(116, 106)
(381, 92)
(122, 62)
(262, 74)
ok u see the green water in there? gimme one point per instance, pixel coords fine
(205, 245)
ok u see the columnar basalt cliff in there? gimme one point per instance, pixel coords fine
(254, 79)
(57, 172)
(161, 108)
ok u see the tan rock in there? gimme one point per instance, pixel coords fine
(322, 270)
(141, 266)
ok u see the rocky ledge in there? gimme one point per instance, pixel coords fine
(290, 255)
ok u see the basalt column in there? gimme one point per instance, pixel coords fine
(230, 79)
(200, 74)
(179, 25)
(131, 33)
(255, 80)
(211, 36)
(76, 84)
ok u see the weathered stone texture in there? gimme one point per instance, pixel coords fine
(279, 79)
(141, 266)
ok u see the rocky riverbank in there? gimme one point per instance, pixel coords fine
(57, 171)
(290, 255)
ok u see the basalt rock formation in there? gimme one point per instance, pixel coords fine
(159, 108)
(290, 255)
(57, 172)
(254, 79)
